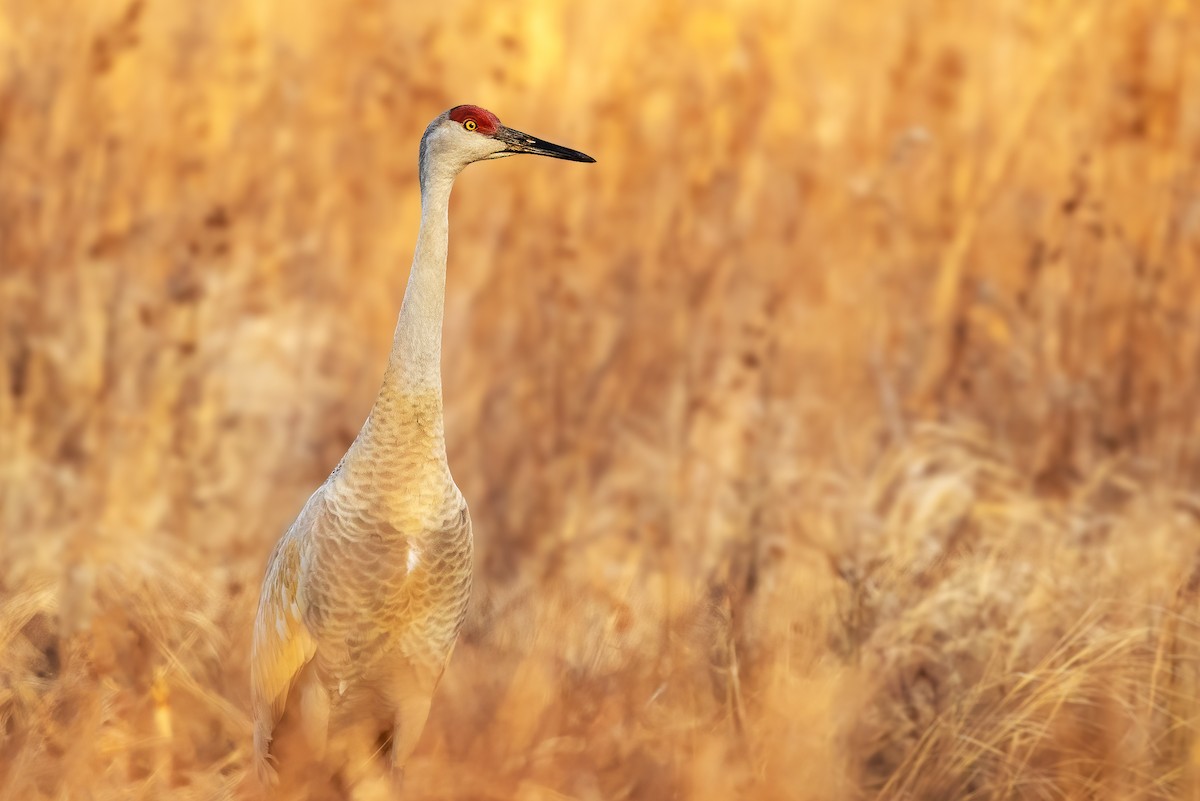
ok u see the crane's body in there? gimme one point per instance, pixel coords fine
(365, 593)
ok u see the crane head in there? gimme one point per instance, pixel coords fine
(465, 134)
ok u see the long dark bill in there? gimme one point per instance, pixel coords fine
(518, 142)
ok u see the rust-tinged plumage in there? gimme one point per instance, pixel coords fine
(365, 593)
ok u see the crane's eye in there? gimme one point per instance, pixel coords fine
(470, 125)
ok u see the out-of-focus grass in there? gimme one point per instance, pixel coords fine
(833, 437)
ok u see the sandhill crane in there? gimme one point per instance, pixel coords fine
(365, 593)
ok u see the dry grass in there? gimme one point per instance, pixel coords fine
(835, 436)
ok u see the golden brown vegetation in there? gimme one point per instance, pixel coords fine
(835, 436)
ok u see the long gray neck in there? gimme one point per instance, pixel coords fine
(415, 364)
(404, 431)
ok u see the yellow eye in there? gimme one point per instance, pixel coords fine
(470, 125)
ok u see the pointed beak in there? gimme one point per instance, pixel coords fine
(517, 142)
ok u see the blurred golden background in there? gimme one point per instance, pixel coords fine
(834, 436)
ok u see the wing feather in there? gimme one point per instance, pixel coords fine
(283, 644)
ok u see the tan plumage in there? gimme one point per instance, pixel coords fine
(362, 601)
(365, 593)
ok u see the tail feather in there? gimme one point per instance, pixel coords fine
(264, 760)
